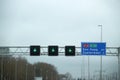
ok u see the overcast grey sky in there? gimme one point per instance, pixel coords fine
(44, 22)
(61, 22)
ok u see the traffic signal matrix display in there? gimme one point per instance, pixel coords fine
(53, 50)
(69, 50)
(34, 50)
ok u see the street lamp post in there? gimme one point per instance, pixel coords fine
(88, 69)
(26, 70)
(101, 55)
(46, 75)
(119, 63)
(100, 32)
(34, 72)
(1, 67)
(16, 68)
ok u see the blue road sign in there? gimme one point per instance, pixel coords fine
(93, 48)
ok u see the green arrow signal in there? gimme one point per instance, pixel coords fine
(70, 50)
(53, 50)
(34, 50)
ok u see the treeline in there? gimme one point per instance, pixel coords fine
(19, 69)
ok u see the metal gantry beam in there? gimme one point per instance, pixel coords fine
(25, 50)
(119, 63)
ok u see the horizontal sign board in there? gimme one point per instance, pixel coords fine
(93, 48)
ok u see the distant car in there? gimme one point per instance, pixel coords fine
(37, 78)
